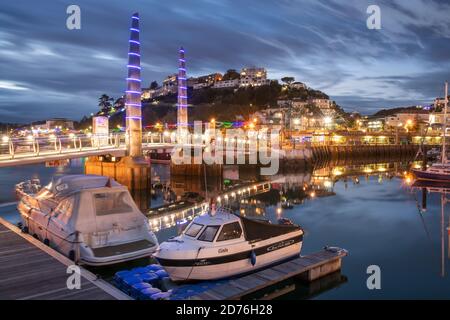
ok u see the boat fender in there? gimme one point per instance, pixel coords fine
(25, 229)
(47, 242)
(253, 257)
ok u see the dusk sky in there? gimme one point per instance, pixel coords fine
(47, 70)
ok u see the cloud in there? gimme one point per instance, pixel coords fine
(48, 70)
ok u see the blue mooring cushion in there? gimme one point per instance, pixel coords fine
(148, 292)
(130, 280)
(149, 277)
(153, 267)
(162, 273)
(139, 270)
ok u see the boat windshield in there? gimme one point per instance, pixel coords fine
(209, 233)
(193, 230)
(112, 203)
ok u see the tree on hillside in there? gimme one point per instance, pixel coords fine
(119, 103)
(231, 74)
(153, 85)
(104, 102)
(288, 80)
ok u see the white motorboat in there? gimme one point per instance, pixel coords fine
(223, 244)
(91, 219)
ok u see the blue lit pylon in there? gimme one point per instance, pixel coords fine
(133, 93)
(182, 116)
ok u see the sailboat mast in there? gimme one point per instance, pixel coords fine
(444, 154)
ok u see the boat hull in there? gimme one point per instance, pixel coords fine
(425, 175)
(214, 268)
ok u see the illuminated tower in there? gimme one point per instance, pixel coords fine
(133, 92)
(182, 117)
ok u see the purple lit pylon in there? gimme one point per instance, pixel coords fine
(182, 115)
(133, 94)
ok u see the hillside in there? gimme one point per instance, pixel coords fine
(222, 104)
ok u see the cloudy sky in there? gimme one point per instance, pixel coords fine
(47, 70)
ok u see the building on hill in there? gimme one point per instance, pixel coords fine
(61, 123)
(324, 105)
(234, 83)
(170, 84)
(407, 117)
(148, 93)
(375, 124)
(204, 81)
(298, 85)
(440, 102)
(292, 119)
(251, 77)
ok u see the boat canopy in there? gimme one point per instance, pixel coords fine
(257, 230)
(90, 203)
(254, 230)
(69, 184)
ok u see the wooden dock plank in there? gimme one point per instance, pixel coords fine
(239, 287)
(31, 270)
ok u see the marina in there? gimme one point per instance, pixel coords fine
(313, 213)
(149, 168)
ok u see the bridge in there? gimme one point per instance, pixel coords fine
(33, 150)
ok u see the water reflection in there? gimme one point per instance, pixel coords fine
(373, 209)
(443, 189)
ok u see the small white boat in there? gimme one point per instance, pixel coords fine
(91, 219)
(223, 244)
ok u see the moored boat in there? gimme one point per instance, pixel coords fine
(439, 171)
(223, 244)
(91, 219)
(436, 172)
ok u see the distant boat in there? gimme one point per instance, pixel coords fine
(438, 171)
(91, 219)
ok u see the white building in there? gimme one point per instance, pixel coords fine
(148, 93)
(254, 73)
(61, 123)
(325, 105)
(226, 84)
(170, 84)
(204, 81)
(406, 118)
(251, 77)
(200, 85)
(298, 85)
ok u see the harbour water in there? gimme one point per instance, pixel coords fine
(368, 209)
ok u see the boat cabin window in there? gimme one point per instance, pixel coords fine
(209, 233)
(112, 203)
(230, 231)
(193, 230)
